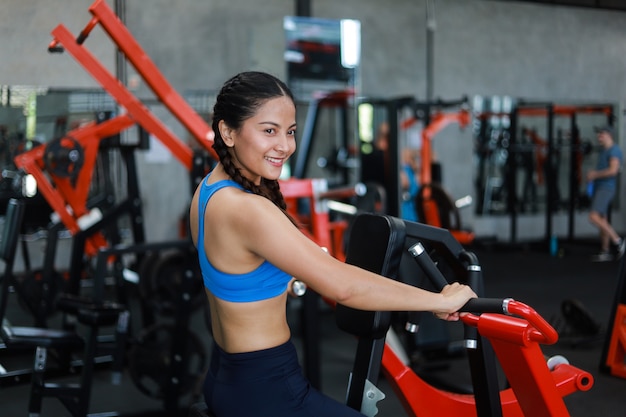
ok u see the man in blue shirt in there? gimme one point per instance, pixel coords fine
(604, 179)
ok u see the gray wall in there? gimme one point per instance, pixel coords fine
(481, 47)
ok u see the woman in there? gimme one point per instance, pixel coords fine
(249, 250)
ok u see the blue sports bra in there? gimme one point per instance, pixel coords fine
(264, 282)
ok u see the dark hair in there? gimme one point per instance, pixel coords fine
(237, 101)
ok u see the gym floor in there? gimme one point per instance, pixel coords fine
(530, 276)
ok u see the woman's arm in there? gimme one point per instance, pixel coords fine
(269, 234)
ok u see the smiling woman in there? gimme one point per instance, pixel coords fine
(249, 251)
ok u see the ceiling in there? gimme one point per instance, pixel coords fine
(619, 5)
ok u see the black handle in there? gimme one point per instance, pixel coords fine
(429, 267)
(486, 305)
(475, 305)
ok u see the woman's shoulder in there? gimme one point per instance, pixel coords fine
(237, 200)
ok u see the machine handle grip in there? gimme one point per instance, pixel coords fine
(486, 305)
(542, 331)
(55, 47)
(428, 266)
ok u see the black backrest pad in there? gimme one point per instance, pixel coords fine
(376, 243)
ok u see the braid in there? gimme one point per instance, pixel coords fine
(277, 197)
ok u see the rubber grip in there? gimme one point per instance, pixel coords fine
(428, 266)
(485, 305)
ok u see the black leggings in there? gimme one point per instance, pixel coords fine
(263, 383)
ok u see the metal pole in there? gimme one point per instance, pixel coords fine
(431, 26)
(303, 8)
(120, 60)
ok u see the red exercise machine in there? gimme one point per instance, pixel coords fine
(537, 386)
(434, 205)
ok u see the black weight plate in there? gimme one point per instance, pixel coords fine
(150, 361)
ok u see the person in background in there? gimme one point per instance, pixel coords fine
(250, 249)
(409, 183)
(604, 180)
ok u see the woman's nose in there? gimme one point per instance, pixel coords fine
(282, 142)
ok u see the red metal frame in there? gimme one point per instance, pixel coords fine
(536, 391)
(68, 198)
(122, 37)
(317, 225)
(616, 355)
(438, 122)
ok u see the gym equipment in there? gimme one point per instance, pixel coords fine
(537, 388)
(167, 359)
(160, 280)
(575, 325)
(150, 366)
(508, 146)
(613, 359)
(61, 343)
(90, 219)
(64, 157)
(435, 206)
(339, 162)
(38, 293)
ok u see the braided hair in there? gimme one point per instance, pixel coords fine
(237, 101)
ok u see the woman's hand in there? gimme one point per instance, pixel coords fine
(456, 296)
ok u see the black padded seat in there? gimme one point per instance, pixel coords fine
(20, 337)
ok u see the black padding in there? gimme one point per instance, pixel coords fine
(11, 231)
(376, 244)
(24, 337)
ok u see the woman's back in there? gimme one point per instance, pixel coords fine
(256, 319)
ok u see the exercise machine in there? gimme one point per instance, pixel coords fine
(508, 142)
(613, 359)
(537, 386)
(433, 203)
(70, 348)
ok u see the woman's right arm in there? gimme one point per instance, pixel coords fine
(270, 234)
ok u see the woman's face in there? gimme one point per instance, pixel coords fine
(265, 141)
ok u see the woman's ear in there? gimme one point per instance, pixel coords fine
(227, 133)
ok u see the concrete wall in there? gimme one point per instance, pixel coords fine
(481, 47)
